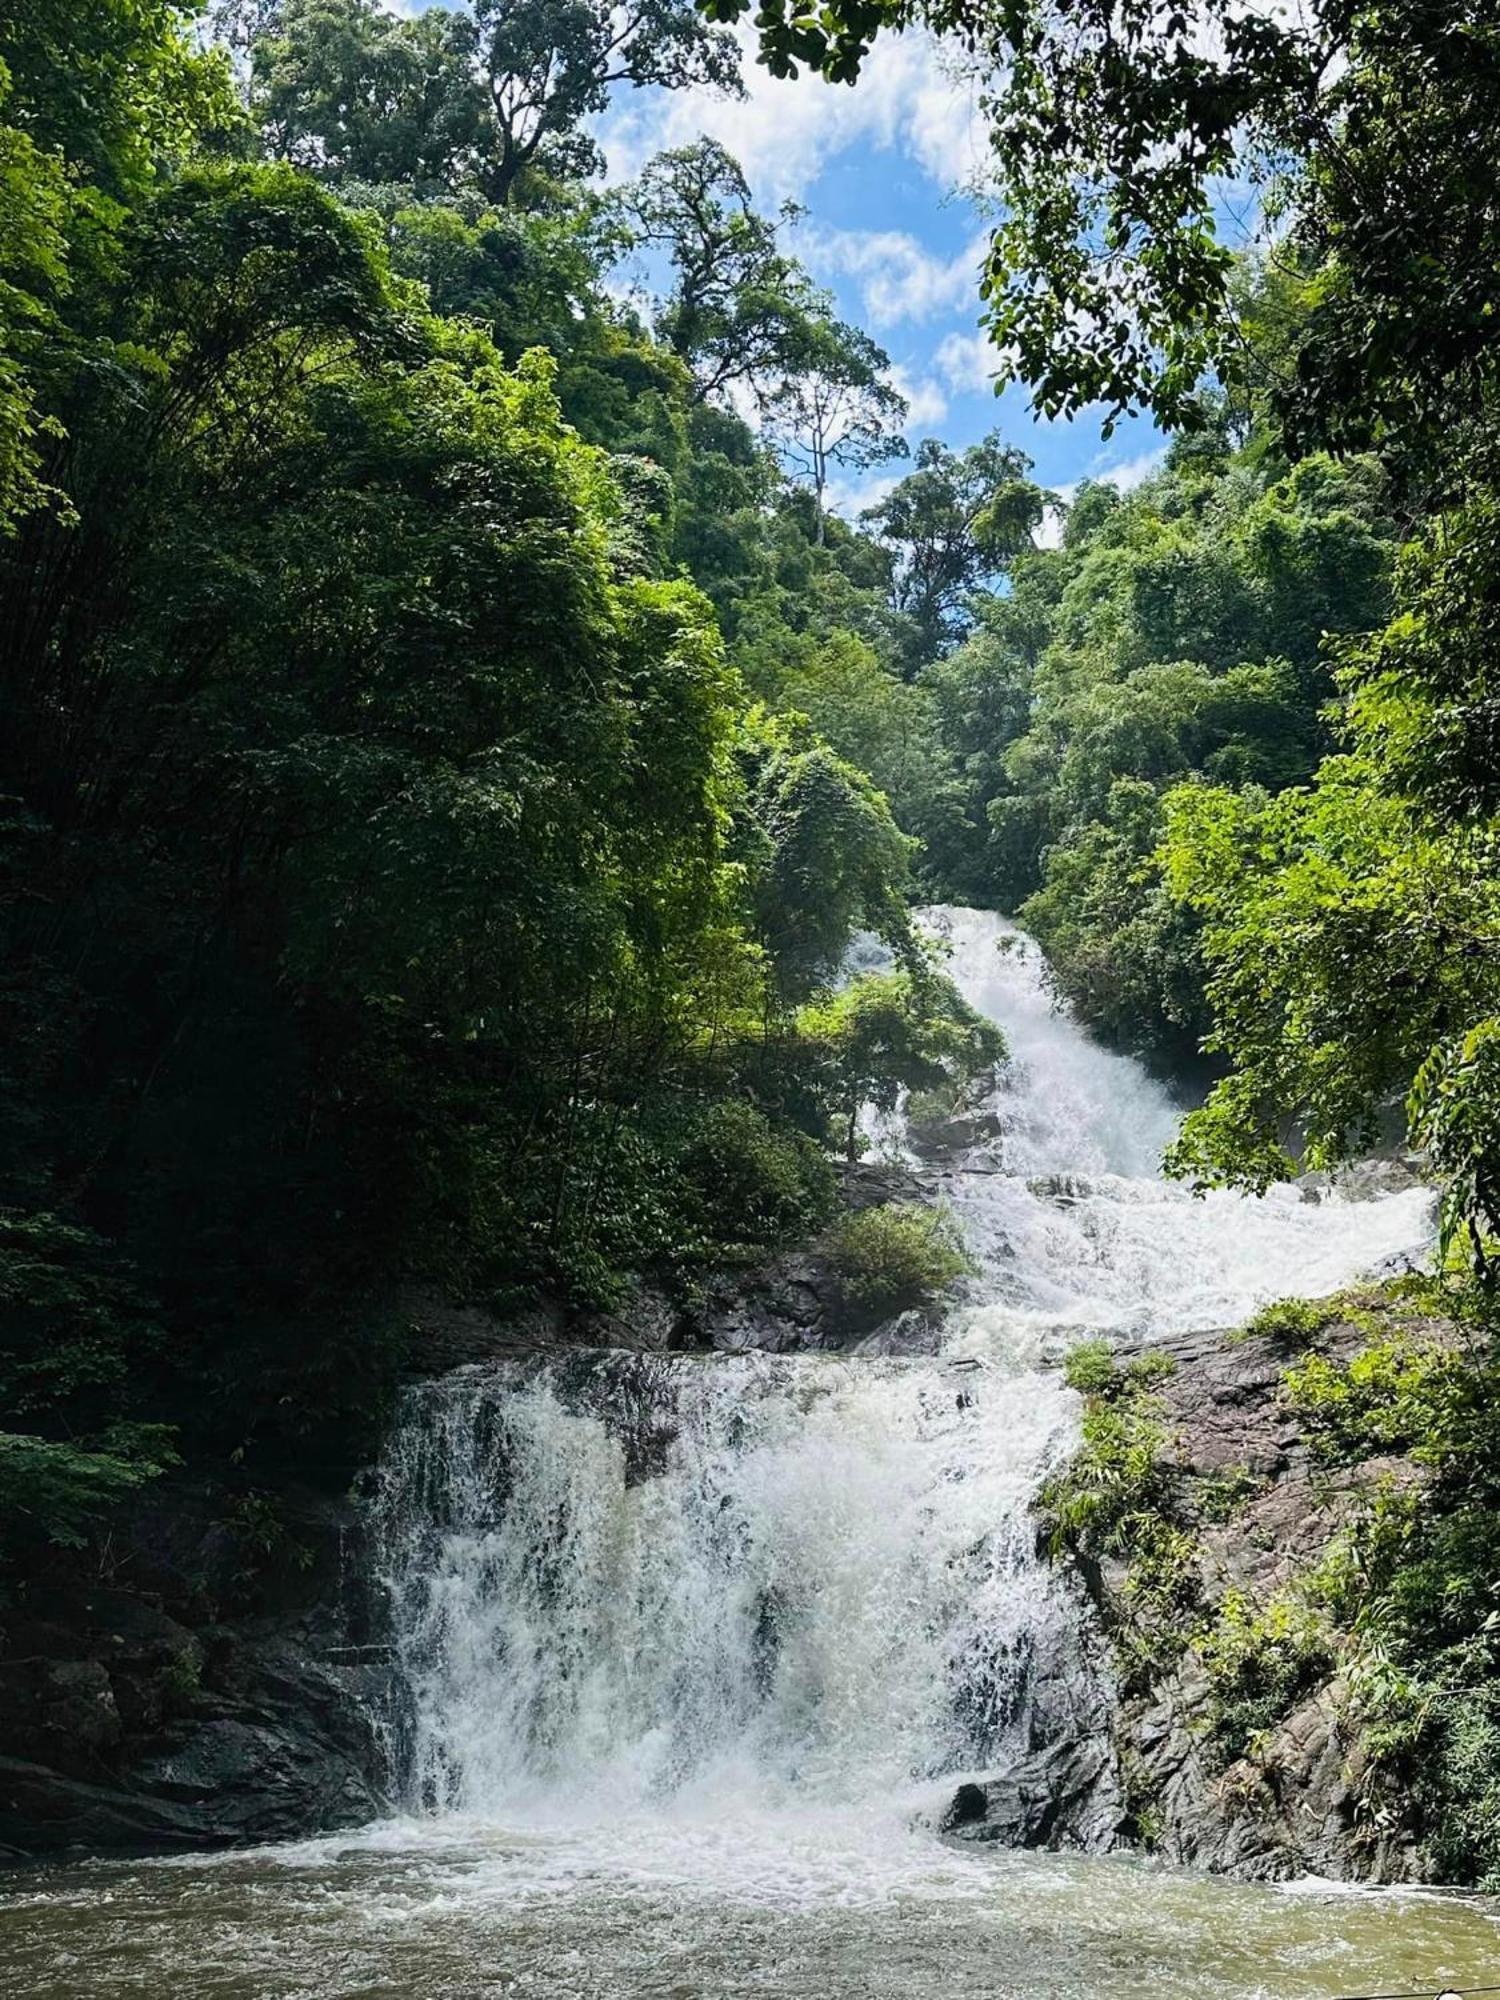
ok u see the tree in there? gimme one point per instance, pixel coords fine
(740, 309)
(836, 408)
(821, 854)
(1373, 126)
(492, 99)
(350, 92)
(952, 524)
(549, 65)
(1352, 930)
(33, 274)
(889, 1032)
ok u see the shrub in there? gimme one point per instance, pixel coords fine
(1260, 1660)
(1119, 1496)
(1291, 1322)
(1093, 1369)
(1394, 1395)
(752, 1181)
(1090, 1368)
(900, 1253)
(56, 1492)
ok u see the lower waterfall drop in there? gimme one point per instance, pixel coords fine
(622, 1585)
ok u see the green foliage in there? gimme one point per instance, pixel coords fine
(1411, 1584)
(1119, 1498)
(753, 1182)
(897, 1254)
(838, 409)
(952, 524)
(1090, 1368)
(1290, 1322)
(1260, 1659)
(1347, 926)
(1397, 1395)
(56, 1493)
(497, 97)
(1108, 281)
(73, 1329)
(820, 852)
(740, 311)
(885, 1033)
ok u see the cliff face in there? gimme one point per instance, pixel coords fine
(1283, 1789)
(1212, 1537)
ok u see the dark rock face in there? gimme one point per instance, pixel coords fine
(796, 1303)
(1059, 1787)
(136, 1714)
(1142, 1765)
(1064, 1795)
(791, 1302)
(1291, 1808)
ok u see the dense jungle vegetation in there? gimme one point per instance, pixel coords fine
(451, 740)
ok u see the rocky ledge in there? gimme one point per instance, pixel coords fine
(794, 1301)
(1220, 1733)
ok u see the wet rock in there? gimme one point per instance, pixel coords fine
(1065, 1795)
(944, 1140)
(970, 1804)
(914, 1332)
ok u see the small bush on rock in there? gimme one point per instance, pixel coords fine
(900, 1253)
(1290, 1322)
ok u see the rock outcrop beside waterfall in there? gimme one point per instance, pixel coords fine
(171, 1703)
(792, 1301)
(1294, 1791)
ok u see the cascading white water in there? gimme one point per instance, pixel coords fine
(823, 1589)
(779, 1583)
(1066, 1209)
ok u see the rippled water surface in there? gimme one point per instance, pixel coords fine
(704, 1907)
(697, 1648)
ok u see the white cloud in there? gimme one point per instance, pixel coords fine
(968, 363)
(926, 404)
(899, 279)
(1130, 471)
(784, 132)
(851, 496)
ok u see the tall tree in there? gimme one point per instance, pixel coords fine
(549, 65)
(349, 92)
(953, 523)
(740, 309)
(836, 408)
(490, 98)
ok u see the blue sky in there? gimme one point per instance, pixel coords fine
(881, 168)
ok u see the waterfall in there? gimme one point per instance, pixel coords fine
(625, 1584)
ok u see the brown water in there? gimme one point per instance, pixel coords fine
(800, 1907)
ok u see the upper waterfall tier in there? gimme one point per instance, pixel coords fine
(1065, 1206)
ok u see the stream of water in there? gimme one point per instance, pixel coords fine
(698, 1647)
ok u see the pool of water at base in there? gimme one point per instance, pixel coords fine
(707, 1906)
